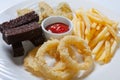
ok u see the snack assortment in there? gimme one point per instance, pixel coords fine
(99, 32)
(94, 38)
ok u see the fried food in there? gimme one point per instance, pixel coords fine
(19, 21)
(24, 11)
(30, 63)
(59, 70)
(45, 10)
(65, 66)
(99, 32)
(63, 9)
(22, 33)
(70, 59)
(20, 29)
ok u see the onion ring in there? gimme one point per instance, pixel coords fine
(30, 63)
(67, 58)
(58, 71)
(66, 66)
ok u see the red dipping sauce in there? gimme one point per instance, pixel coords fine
(57, 28)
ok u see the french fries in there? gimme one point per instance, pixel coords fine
(97, 47)
(100, 33)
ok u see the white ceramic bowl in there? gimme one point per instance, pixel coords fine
(56, 19)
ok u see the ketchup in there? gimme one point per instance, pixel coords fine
(57, 28)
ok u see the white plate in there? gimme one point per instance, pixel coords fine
(12, 68)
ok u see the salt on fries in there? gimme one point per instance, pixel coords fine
(99, 32)
(66, 66)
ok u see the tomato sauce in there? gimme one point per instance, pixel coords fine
(57, 28)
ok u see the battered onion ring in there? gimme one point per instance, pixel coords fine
(67, 58)
(58, 71)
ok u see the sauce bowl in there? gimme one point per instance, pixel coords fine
(56, 19)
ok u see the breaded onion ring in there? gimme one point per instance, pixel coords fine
(82, 46)
(58, 71)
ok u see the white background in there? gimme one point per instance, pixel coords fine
(113, 5)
